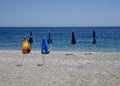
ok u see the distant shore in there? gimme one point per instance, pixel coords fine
(59, 68)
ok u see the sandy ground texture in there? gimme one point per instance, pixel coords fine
(59, 68)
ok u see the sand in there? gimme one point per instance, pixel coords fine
(59, 68)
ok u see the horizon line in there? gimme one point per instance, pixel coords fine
(59, 26)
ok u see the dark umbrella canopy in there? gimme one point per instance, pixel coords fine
(45, 49)
(49, 41)
(94, 37)
(73, 41)
(30, 39)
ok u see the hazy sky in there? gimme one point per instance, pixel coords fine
(59, 13)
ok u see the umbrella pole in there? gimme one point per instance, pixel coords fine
(43, 59)
(50, 47)
(23, 59)
(30, 46)
(22, 62)
(93, 48)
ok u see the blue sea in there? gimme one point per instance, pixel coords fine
(108, 38)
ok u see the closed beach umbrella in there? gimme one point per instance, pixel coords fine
(25, 48)
(31, 39)
(45, 49)
(49, 41)
(94, 37)
(73, 41)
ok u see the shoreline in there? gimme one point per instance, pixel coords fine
(63, 51)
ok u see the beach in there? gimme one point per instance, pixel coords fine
(59, 68)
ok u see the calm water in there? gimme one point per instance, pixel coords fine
(108, 38)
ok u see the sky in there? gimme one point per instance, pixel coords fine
(59, 13)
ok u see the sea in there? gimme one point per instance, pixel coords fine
(107, 38)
